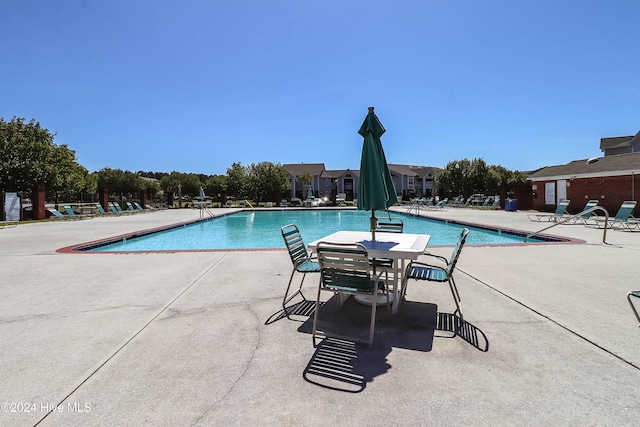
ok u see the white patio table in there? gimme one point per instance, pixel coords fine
(397, 246)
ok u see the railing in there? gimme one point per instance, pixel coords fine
(563, 220)
(250, 205)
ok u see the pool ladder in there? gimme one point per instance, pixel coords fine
(575, 217)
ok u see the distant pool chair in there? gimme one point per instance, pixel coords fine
(302, 262)
(345, 270)
(560, 213)
(417, 270)
(635, 294)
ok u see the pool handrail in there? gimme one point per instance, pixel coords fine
(573, 218)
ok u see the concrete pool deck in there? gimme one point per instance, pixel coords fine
(196, 338)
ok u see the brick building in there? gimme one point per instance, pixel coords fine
(611, 179)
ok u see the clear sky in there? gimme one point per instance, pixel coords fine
(194, 86)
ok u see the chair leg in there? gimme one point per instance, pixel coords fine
(456, 296)
(629, 295)
(288, 297)
(372, 326)
(315, 314)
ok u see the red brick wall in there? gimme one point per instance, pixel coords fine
(609, 191)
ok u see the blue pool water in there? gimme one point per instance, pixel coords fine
(261, 229)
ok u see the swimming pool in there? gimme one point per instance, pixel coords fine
(261, 230)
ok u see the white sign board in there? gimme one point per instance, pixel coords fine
(550, 193)
(12, 206)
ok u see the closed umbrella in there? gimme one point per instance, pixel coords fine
(376, 190)
(202, 196)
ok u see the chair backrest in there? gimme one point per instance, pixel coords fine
(55, 213)
(137, 205)
(456, 252)
(344, 266)
(294, 243)
(100, 208)
(625, 211)
(390, 225)
(130, 206)
(562, 207)
(69, 211)
(590, 204)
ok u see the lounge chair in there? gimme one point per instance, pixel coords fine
(4, 224)
(138, 207)
(58, 215)
(560, 213)
(130, 207)
(418, 270)
(302, 262)
(439, 206)
(586, 215)
(623, 219)
(345, 270)
(635, 294)
(496, 203)
(150, 208)
(117, 206)
(73, 214)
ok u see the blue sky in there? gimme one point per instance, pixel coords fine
(195, 86)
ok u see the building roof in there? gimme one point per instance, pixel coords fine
(337, 173)
(616, 142)
(297, 169)
(620, 164)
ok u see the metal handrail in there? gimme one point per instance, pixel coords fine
(247, 202)
(575, 217)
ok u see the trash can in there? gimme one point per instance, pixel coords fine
(511, 205)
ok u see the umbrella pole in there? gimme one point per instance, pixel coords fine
(373, 224)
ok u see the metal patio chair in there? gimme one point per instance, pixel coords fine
(302, 262)
(345, 270)
(423, 271)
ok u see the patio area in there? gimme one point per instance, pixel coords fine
(198, 338)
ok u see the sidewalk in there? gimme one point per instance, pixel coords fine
(197, 338)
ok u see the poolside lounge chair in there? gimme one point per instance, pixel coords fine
(138, 207)
(58, 215)
(4, 224)
(345, 270)
(117, 206)
(302, 262)
(586, 215)
(418, 270)
(560, 213)
(635, 294)
(150, 208)
(73, 214)
(439, 206)
(623, 219)
(130, 207)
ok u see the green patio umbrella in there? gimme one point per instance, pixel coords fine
(376, 190)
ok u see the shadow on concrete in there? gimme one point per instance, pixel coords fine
(304, 309)
(344, 365)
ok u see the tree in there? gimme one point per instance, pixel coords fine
(267, 180)
(465, 177)
(237, 181)
(27, 155)
(215, 185)
(120, 182)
